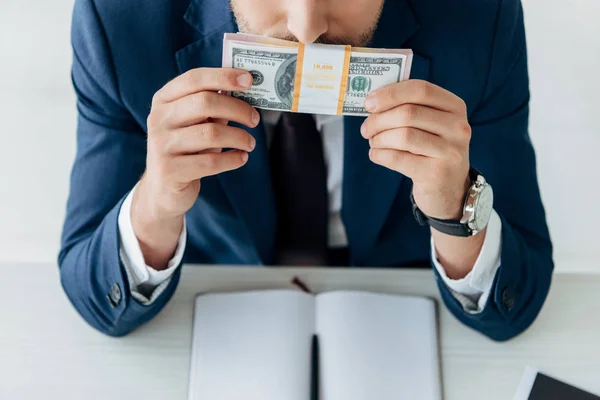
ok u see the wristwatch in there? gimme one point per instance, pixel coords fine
(477, 210)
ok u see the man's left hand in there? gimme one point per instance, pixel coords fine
(421, 130)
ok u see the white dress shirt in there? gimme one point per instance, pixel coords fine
(472, 291)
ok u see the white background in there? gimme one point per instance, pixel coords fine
(37, 125)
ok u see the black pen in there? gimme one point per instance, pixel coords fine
(314, 370)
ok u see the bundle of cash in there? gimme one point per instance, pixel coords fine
(312, 78)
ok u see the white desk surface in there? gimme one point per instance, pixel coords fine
(48, 352)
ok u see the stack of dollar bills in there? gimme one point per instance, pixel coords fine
(312, 78)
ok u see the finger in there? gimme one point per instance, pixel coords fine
(197, 166)
(199, 107)
(200, 79)
(413, 116)
(415, 92)
(412, 140)
(406, 163)
(211, 135)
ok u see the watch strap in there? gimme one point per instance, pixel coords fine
(449, 227)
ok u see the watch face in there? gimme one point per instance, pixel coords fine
(483, 208)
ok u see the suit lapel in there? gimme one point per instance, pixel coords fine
(248, 188)
(369, 189)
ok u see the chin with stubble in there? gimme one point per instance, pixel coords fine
(346, 22)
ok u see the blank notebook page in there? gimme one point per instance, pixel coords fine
(377, 346)
(252, 346)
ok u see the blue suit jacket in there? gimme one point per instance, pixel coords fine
(124, 51)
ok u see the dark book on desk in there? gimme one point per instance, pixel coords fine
(280, 344)
(538, 386)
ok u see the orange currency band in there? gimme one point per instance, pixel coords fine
(298, 77)
(344, 82)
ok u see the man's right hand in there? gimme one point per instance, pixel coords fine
(187, 130)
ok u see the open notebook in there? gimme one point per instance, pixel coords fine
(257, 346)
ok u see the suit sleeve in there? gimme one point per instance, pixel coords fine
(110, 159)
(502, 150)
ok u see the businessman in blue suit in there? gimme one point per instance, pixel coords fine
(169, 170)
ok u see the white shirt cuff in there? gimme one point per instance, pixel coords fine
(474, 289)
(145, 283)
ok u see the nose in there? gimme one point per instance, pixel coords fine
(307, 19)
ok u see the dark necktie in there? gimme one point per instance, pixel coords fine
(299, 180)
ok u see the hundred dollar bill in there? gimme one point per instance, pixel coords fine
(341, 86)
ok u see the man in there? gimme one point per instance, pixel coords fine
(152, 185)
